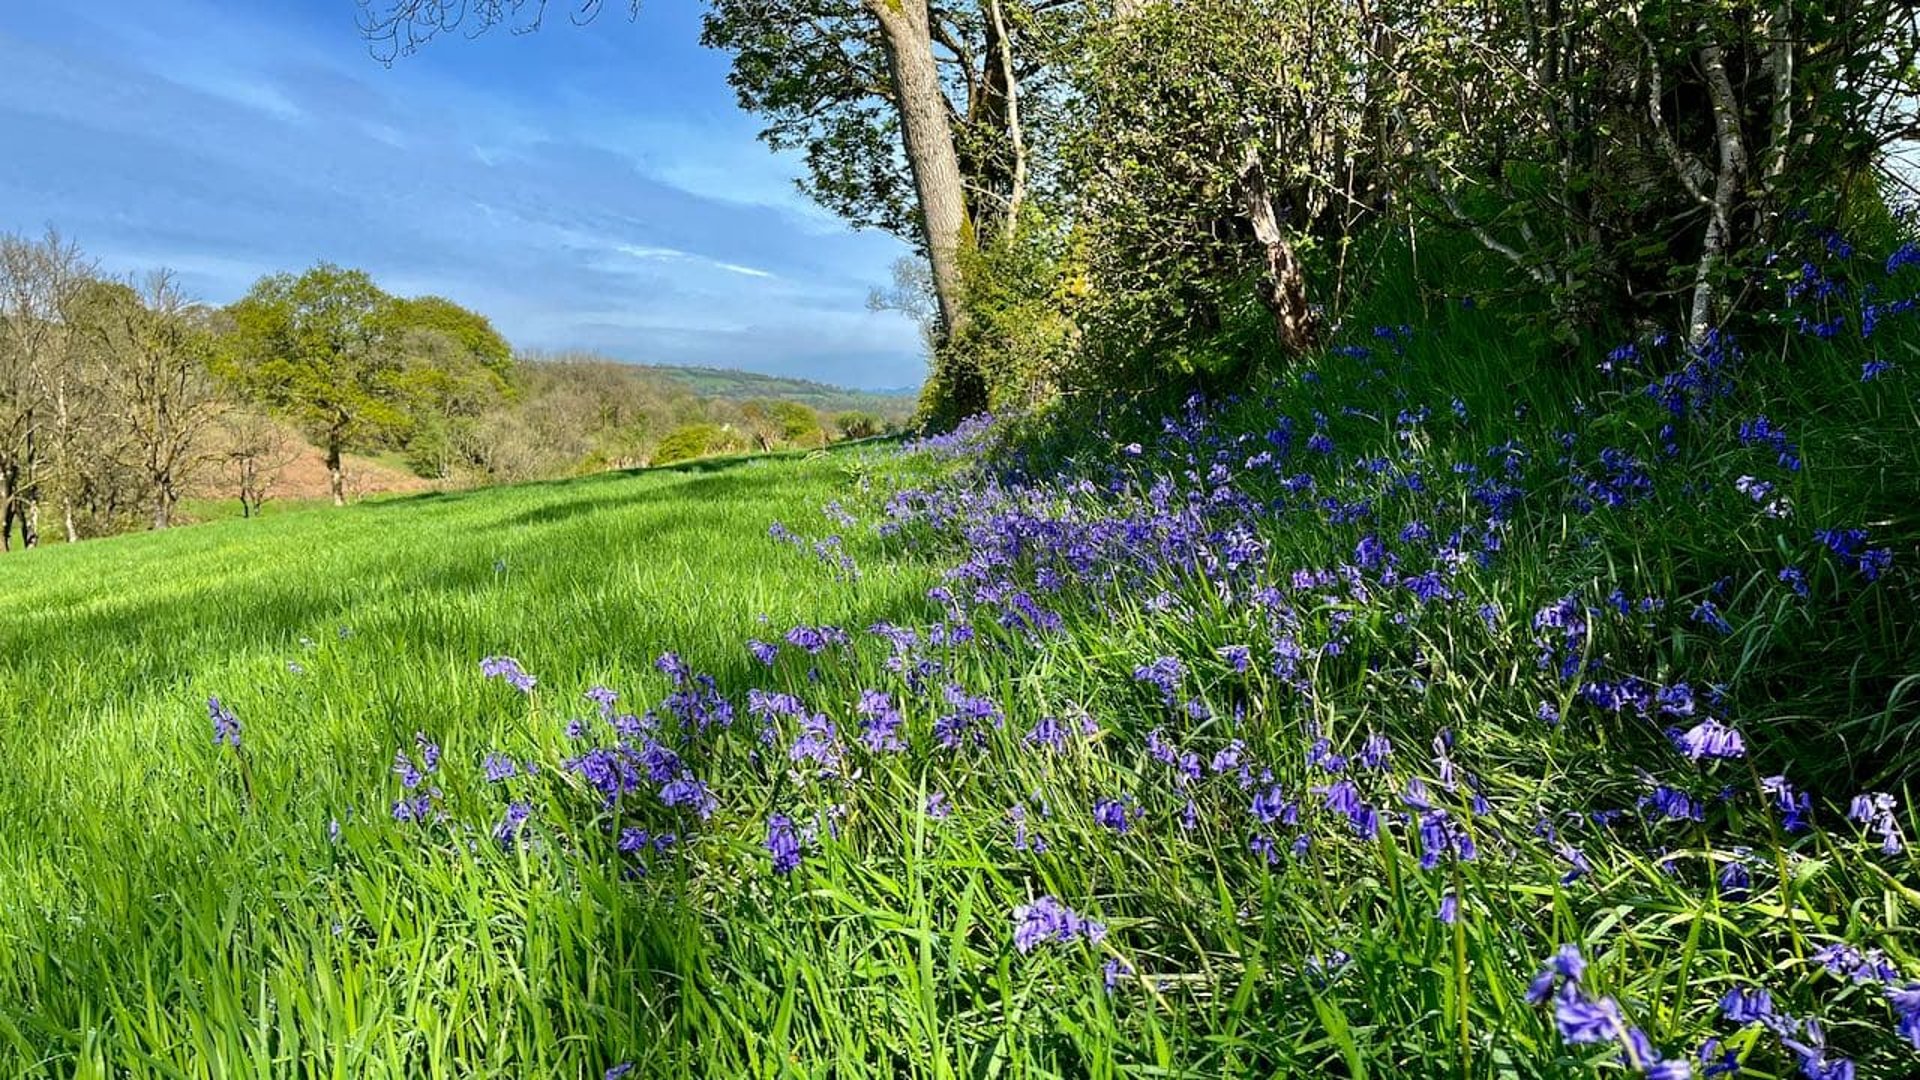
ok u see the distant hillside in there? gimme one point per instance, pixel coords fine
(730, 385)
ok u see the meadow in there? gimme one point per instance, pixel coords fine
(1446, 705)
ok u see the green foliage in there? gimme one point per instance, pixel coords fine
(318, 348)
(799, 424)
(169, 911)
(859, 425)
(1021, 294)
(687, 442)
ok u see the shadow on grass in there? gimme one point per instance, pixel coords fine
(186, 902)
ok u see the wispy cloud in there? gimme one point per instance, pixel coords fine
(591, 188)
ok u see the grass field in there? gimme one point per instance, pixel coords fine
(1442, 707)
(159, 912)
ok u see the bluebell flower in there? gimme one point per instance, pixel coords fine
(1706, 612)
(1115, 970)
(507, 669)
(1873, 369)
(1449, 912)
(499, 768)
(226, 726)
(783, 844)
(1165, 674)
(1794, 806)
(1712, 739)
(1672, 804)
(1906, 1010)
(1583, 1021)
(1270, 805)
(881, 731)
(1047, 921)
(1747, 1006)
(507, 832)
(1111, 813)
(1876, 811)
(1735, 877)
(1376, 752)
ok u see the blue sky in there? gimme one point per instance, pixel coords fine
(585, 187)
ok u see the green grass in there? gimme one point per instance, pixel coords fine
(170, 908)
(157, 918)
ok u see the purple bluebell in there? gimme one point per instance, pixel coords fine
(507, 832)
(1906, 1010)
(1712, 739)
(1672, 804)
(1565, 966)
(1875, 810)
(508, 669)
(880, 731)
(1376, 753)
(1046, 921)
(783, 844)
(1112, 814)
(1583, 1021)
(1795, 807)
(1747, 1006)
(226, 726)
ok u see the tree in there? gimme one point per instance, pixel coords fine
(160, 383)
(907, 112)
(254, 450)
(319, 349)
(1220, 139)
(454, 367)
(39, 283)
(1636, 138)
(858, 425)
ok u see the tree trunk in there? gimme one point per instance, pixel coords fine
(1017, 138)
(66, 520)
(336, 475)
(928, 138)
(1285, 289)
(163, 500)
(1728, 180)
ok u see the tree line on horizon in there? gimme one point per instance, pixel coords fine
(119, 398)
(1106, 194)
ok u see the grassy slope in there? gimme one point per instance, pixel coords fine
(157, 919)
(128, 855)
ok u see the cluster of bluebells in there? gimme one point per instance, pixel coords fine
(1583, 1019)
(1047, 921)
(419, 799)
(1185, 531)
(508, 670)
